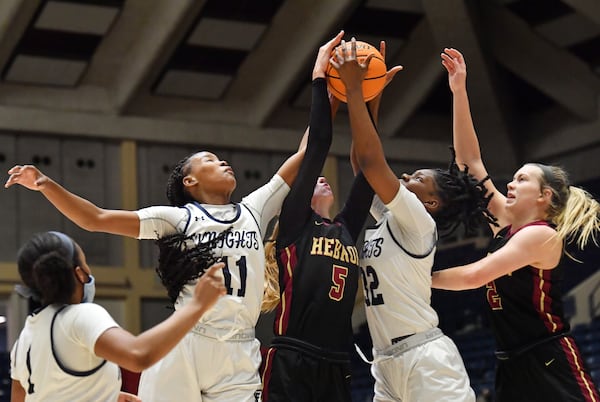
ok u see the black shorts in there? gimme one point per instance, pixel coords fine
(296, 371)
(551, 371)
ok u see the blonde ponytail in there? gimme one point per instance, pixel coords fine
(271, 292)
(579, 219)
(572, 209)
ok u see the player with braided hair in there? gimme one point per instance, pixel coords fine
(176, 193)
(182, 261)
(538, 359)
(464, 199)
(413, 359)
(199, 189)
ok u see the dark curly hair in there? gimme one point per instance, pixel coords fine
(464, 200)
(176, 193)
(46, 264)
(53, 274)
(181, 260)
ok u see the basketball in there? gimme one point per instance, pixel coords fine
(374, 80)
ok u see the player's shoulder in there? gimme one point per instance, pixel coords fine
(539, 232)
(539, 238)
(83, 310)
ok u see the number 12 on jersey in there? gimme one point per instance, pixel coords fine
(371, 284)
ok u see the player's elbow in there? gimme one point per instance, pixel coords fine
(473, 279)
(139, 359)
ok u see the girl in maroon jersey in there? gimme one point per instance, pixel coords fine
(314, 261)
(537, 358)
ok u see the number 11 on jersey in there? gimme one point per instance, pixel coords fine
(240, 276)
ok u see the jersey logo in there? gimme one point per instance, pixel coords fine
(372, 248)
(493, 298)
(335, 249)
(549, 362)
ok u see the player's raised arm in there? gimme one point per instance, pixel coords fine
(80, 211)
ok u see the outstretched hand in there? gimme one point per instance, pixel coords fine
(26, 175)
(391, 73)
(454, 63)
(322, 62)
(389, 76)
(351, 71)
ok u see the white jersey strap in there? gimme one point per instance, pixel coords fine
(362, 355)
(364, 358)
(404, 345)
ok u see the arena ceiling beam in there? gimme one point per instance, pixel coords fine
(93, 125)
(552, 70)
(14, 19)
(145, 34)
(411, 86)
(589, 8)
(455, 24)
(289, 46)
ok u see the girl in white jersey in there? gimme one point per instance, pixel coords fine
(70, 348)
(413, 359)
(220, 356)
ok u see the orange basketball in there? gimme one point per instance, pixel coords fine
(374, 80)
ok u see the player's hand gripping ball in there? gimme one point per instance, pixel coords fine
(374, 80)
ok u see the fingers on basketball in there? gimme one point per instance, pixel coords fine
(375, 77)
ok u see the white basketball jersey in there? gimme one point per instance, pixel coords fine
(396, 262)
(231, 374)
(242, 252)
(76, 330)
(242, 248)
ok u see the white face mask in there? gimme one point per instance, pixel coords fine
(89, 290)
